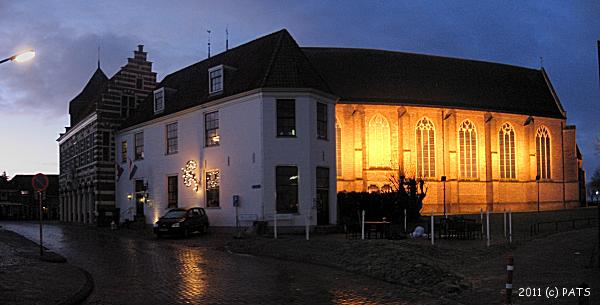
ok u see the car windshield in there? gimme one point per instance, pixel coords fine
(175, 214)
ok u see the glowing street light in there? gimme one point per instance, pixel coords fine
(20, 57)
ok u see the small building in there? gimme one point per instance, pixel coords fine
(19, 201)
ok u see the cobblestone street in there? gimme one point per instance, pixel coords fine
(142, 270)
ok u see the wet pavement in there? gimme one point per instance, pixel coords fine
(141, 270)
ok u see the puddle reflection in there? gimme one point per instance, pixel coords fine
(192, 277)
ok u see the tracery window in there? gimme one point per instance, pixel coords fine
(379, 142)
(467, 137)
(542, 152)
(506, 142)
(425, 134)
(338, 148)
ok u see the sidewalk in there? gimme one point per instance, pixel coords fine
(25, 279)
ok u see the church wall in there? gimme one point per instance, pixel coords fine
(488, 190)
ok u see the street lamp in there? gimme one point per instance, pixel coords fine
(20, 57)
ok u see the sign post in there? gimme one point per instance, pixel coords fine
(40, 183)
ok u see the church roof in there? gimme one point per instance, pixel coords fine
(81, 105)
(388, 77)
(272, 61)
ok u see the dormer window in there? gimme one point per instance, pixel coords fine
(215, 79)
(159, 100)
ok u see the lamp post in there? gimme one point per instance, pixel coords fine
(537, 180)
(444, 183)
(20, 57)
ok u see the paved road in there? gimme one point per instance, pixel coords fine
(138, 270)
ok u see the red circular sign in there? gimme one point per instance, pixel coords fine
(39, 182)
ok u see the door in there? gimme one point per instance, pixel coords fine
(139, 197)
(322, 196)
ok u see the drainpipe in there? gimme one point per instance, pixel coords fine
(563, 163)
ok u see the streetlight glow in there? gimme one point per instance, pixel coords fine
(24, 56)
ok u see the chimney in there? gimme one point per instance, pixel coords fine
(140, 54)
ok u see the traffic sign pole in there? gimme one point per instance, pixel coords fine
(40, 183)
(41, 235)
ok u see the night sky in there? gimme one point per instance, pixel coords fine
(34, 96)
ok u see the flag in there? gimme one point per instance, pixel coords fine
(132, 169)
(119, 171)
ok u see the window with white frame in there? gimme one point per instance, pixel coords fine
(159, 100)
(211, 128)
(506, 146)
(215, 79)
(467, 138)
(139, 145)
(425, 137)
(171, 131)
(542, 152)
(322, 121)
(123, 151)
(213, 182)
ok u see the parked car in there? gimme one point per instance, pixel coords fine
(182, 221)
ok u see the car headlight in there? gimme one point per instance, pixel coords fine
(156, 224)
(175, 225)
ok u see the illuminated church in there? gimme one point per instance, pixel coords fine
(497, 134)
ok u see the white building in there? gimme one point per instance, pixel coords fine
(256, 121)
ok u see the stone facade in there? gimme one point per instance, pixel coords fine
(87, 148)
(487, 189)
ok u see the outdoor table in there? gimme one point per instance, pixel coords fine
(380, 228)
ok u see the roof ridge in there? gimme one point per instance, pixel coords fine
(423, 55)
(273, 57)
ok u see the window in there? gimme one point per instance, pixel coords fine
(211, 128)
(139, 145)
(159, 100)
(286, 185)
(506, 143)
(373, 188)
(172, 191)
(124, 151)
(171, 138)
(379, 149)
(215, 76)
(286, 118)
(467, 137)
(542, 152)
(425, 148)
(127, 105)
(321, 121)
(338, 148)
(139, 82)
(212, 189)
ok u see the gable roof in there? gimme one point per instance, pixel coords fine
(387, 77)
(82, 105)
(272, 61)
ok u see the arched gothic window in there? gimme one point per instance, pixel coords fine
(338, 148)
(506, 143)
(542, 152)
(467, 136)
(425, 132)
(379, 142)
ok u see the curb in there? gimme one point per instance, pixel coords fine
(84, 292)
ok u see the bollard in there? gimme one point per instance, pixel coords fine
(432, 230)
(362, 227)
(307, 223)
(487, 227)
(481, 216)
(405, 220)
(275, 225)
(509, 279)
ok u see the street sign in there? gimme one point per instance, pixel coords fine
(39, 182)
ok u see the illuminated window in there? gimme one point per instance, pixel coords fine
(425, 148)
(338, 148)
(213, 181)
(379, 148)
(286, 118)
(172, 138)
(386, 188)
(373, 188)
(467, 136)
(542, 152)
(139, 145)
(506, 142)
(211, 128)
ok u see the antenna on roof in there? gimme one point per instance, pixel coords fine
(98, 56)
(226, 38)
(541, 62)
(208, 31)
